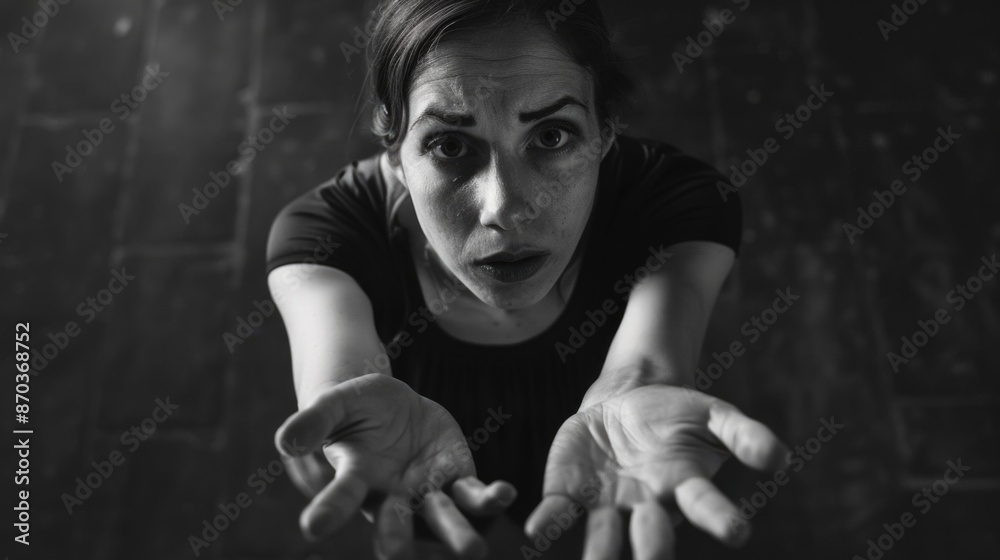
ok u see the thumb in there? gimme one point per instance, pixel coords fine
(309, 428)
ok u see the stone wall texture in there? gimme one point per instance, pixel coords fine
(218, 72)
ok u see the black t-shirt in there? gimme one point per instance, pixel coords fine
(511, 399)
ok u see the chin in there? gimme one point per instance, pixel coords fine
(512, 296)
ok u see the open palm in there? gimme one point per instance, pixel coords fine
(650, 451)
(395, 454)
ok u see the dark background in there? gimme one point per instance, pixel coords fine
(163, 335)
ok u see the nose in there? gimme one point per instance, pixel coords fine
(501, 202)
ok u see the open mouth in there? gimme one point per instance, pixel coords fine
(508, 268)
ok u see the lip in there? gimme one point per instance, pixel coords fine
(512, 266)
(511, 256)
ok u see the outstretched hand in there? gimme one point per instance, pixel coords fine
(652, 450)
(395, 454)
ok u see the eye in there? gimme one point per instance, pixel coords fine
(448, 147)
(552, 138)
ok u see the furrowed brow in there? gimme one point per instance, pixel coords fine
(563, 101)
(451, 119)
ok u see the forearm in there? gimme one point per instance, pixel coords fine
(660, 337)
(325, 355)
(646, 358)
(331, 331)
(317, 370)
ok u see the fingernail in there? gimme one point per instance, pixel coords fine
(506, 497)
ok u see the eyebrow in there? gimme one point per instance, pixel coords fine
(466, 120)
(546, 111)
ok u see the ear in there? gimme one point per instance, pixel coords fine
(609, 135)
(606, 144)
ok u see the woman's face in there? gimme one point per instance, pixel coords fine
(500, 154)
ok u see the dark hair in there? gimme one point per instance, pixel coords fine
(406, 30)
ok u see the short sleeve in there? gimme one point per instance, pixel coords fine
(338, 224)
(673, 197)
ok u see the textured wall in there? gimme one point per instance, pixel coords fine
(66, 232)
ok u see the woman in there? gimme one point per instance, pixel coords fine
(514, 294)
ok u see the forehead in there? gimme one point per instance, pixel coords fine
(506, 70)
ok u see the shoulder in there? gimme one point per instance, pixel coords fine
(653, 193)
(356, 187)
(635, 162)
(347, 210)
(342, 223)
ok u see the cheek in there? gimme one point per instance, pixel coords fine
(444, 211)
(570, 194)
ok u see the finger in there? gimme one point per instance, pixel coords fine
(394, 530)
(651, 530)
(604, 534)
(753, 443)
(709, 510)
(475, 497)
(309, 473)
(307, 430)
(334, 505)
(553, 507)
(452, 527)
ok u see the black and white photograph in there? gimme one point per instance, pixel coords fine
(501, 279)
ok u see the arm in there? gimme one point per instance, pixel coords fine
(331, 329)
(381, 438)
(640, 443)
(660, 336)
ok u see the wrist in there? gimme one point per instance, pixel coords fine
(306, 395)
(620, 380)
